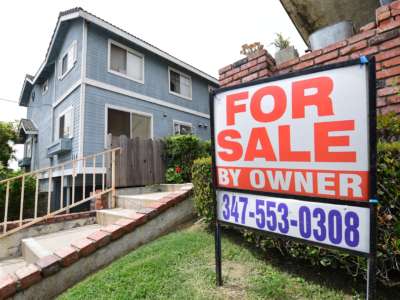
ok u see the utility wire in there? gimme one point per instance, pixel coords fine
(8, 100)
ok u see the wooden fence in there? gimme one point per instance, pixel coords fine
(140, 161)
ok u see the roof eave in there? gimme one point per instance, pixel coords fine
(99, 22)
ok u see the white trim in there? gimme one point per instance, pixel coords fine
(63, 113)
(74, 45)
(142, 97)
(46, 82)
(181, 74)
(127, 49)
(93, 19)
(67, 93)
(128, 110)
(181, 123)
(83, 91)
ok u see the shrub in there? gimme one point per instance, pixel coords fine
(181, 151)
(388, 190)
(174, 175)
(202, 185)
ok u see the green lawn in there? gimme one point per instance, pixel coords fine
(180, 265)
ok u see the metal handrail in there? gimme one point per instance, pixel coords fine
(51, 171)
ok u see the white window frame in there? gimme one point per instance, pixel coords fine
(130, 111)
(169, 84)
(63, 113)
(74, 44)
(181, 123)
(45, 83)
(112, 42)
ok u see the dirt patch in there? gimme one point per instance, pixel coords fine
(234, 273)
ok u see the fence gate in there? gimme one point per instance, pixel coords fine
(140, 161)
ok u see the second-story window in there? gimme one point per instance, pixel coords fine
(67, 60)
(65, 124)
(180, 84)
(126, 62)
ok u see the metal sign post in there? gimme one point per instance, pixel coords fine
(295, 156)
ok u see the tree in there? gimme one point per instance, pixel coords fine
(8, 135)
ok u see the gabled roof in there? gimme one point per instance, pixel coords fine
(78, 12)
(26, 127)
(26, 90)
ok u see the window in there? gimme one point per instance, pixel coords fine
(182, 128)
(180, 84)
(130, 124)
(67, 61)
(126, 62)
(33, 95)
(65, 124)
(45, 87)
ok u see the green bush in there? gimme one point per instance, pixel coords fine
(202, 185)
(388, 189)
(181, 151)
(15, 194)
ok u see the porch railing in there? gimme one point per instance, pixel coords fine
(88, 165)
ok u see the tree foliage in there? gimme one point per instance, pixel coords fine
(8, 135)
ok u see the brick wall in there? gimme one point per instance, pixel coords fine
(380, 39)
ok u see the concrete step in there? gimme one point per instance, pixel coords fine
(109, 216)
(139, 201)
(10, 265)
(40, 246)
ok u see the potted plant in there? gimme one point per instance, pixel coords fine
(285, 50)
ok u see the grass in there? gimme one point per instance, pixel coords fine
(180, 265)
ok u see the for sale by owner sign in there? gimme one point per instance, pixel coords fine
(294, 156)
(305, 135)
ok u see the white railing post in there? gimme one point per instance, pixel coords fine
(73, 183)
(83, 178)
(36, 197)
(21, 204)
(62, 188)
(113, 192)
(49, 191)
(103, 174)
(94, 175)
(6, 207)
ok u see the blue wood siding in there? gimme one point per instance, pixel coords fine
(40, 111)
(95, 110)
(155, 72)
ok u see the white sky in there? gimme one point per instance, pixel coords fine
(206, 34)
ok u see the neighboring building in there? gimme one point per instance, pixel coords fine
(98, 79)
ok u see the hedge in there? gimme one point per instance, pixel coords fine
(388, 239)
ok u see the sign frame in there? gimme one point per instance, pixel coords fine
(372, 190)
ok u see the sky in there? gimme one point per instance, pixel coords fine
(207, 34)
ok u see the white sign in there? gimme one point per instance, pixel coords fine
(304, 135)
(342, 226)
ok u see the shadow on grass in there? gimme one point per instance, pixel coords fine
(335, 279)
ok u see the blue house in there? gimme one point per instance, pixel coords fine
(98, 79)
